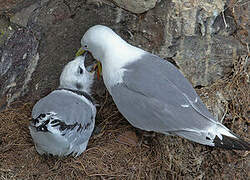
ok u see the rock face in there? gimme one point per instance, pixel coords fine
(203, 61)
(195, 35)
(136, 6)
(21, 18)
(19, 58)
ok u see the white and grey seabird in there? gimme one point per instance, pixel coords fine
(63, 121)
(152, 94)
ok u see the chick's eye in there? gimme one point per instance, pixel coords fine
(80, 70)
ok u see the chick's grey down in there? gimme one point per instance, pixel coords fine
(63, 121)
(152, 94)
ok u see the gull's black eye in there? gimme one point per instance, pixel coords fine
(85, 46)
(80, 70)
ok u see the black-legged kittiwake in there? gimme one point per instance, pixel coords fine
(63, 121)
(153, 94)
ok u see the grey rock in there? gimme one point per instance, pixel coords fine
(138, 6)
(19, 58)
(6, 29)
(187, 15)
(224, 24)
(204, 60)
(11, 7)
(21, 18)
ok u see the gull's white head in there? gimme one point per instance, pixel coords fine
(75, 76)
(99, 40)
(111, 50)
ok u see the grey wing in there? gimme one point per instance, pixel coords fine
(155, 96)
(72, 112)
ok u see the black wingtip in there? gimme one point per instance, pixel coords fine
(231, 143)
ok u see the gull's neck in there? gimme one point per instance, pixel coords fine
(114, 60)
(119, 53)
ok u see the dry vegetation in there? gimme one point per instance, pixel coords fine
(147, 157)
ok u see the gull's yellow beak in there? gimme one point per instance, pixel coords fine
(80, 52)
(97, 66)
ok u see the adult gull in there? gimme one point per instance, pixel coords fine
(63, 121)
(152, 94)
